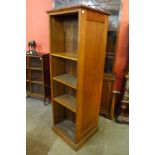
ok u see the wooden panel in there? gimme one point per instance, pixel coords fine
(90, 75)
(58, 66)
(71, 33)
(58, 89)
(62, 66)
(64, 33)
(57, 34)
(106, 98)
(68, 101)
(59, 112)
(95, 16)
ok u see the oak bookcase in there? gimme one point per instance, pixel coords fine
(78, 37)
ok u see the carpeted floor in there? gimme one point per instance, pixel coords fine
(111, 138)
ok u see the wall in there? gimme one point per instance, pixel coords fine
(122, 46)
(37, 23)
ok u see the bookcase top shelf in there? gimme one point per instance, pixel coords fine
(76, 7)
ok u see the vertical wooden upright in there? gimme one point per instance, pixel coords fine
(78, 37)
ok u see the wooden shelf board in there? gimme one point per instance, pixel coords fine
(67, 127)
(68, 101)
(37, 82)
(35, 68)
(67, 79)
(66, 55)
(37, 95)
(27, 80)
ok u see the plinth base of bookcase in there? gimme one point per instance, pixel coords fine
(74, 146)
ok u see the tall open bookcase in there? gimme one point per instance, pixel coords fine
(78, 37)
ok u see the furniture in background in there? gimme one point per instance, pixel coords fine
(78, 38)
(38, 76)
(123, 115)
(109, 95)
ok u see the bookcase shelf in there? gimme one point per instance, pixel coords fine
(67, 127)
(68, 101)
(77, 48)
(66, 55)
(67, 79)
(35, 68)
(37, 82)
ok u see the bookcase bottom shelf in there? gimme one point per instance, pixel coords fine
(67, 127)
(72, 144)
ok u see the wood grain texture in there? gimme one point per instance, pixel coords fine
(95, 16)
(107, 97)
(77, 70)
(92, 74)
(67, 79)
(68, 101)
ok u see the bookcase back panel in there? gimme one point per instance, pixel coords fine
(64, 33)
(71, 33)
(63, 66)
(61, 89)
(64, 120)
(59, 112)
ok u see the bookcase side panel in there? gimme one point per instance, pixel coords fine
(92, 74)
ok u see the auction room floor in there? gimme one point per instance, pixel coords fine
(111, 138)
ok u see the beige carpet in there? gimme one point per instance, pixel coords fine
(111, 138)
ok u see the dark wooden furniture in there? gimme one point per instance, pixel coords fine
(107, 96)
(123, 116)
(78, 37)
(38, 76)
(107, 108)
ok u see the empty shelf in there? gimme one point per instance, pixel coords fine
(66, 55)
(35, 68)
(67, 127)
(66, 79)
(37, 82)
(68, 101)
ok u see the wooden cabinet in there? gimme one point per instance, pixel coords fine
(38, 76)
(78, 37)
(107, 95)
(123, 115)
